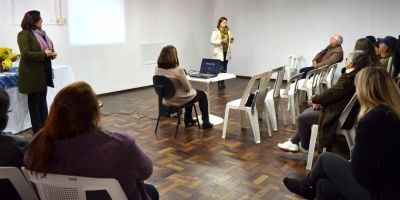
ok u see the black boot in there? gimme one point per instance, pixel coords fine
(302, 188)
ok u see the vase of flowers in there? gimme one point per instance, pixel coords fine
(7, 57)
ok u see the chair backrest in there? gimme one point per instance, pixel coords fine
(329, 74)
(163, 86)
(342, 119)
(280, 71)
(313, 76)
(390, 67)
(293, 63)
(397, 80)
(64, 187)
(262, 88)
(21, 185)
(293, 80)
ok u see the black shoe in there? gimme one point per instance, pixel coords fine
(302, 188)
(207, 125)
(190, 122)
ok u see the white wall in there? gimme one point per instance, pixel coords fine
(108, 68)
(266, 32)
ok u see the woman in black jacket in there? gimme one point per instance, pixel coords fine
(372, 172)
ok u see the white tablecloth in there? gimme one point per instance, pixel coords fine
(19, 119)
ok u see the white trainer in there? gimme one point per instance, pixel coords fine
(289, 146)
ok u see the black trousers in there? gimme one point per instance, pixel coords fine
(333, 179)
(305, 70)
(224, 69)
(152, 191)
(37, 105)
(201, 97)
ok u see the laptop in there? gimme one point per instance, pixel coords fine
(209, 68)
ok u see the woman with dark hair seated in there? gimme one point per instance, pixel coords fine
(12, 148)
(71, 143)
(372, 172)
(168, 65)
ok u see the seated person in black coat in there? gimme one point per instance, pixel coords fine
(372, 171)
(12, 149)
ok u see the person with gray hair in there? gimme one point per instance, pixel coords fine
(332, 54)
(326, 108)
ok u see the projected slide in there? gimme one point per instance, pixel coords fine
(96, 22)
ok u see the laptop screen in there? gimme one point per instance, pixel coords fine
(210, 66)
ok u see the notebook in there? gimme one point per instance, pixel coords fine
(209, 68)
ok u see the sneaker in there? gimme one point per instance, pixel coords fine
(289, 146)
(302, 188)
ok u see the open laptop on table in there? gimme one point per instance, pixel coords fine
(210, 68)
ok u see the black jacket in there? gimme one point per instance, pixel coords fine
(375, 159)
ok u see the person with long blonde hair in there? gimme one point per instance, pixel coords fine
(72, 143)
(372, 171)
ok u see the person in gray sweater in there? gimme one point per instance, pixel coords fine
(71, 143)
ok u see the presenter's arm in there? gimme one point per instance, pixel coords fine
(24, 48)
(216, 38)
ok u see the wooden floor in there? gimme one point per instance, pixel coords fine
(198, 164)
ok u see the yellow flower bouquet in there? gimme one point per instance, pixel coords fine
(6, 58)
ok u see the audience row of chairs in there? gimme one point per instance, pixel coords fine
(265, 100)
(30, 186)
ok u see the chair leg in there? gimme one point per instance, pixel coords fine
(311, 148)
(242, 119)
(158, 121)
(178, 122)
(267, 120)
(281, 110)
(225, 122)
(253, 116)
(272, 114)
(197, 116)
(292, 110)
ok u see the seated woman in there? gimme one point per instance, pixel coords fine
(366, 45)
(333, 101)
(168, 65)
(372, 172)
(12, 149)
(72, 143)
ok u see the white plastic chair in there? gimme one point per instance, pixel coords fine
(329, 76)
(311, 83)
(293, 63)
(390, 67)
(274, 95)
(290, 94)
(251, 110)
(348, 134)
(64, 187)
(21, 185)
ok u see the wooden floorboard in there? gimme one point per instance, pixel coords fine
(198, 164)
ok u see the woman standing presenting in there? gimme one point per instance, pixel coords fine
(221, 38)
(35, 72)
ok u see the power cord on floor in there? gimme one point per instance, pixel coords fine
(138, 116)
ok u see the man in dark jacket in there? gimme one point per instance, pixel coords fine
(332, 54)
